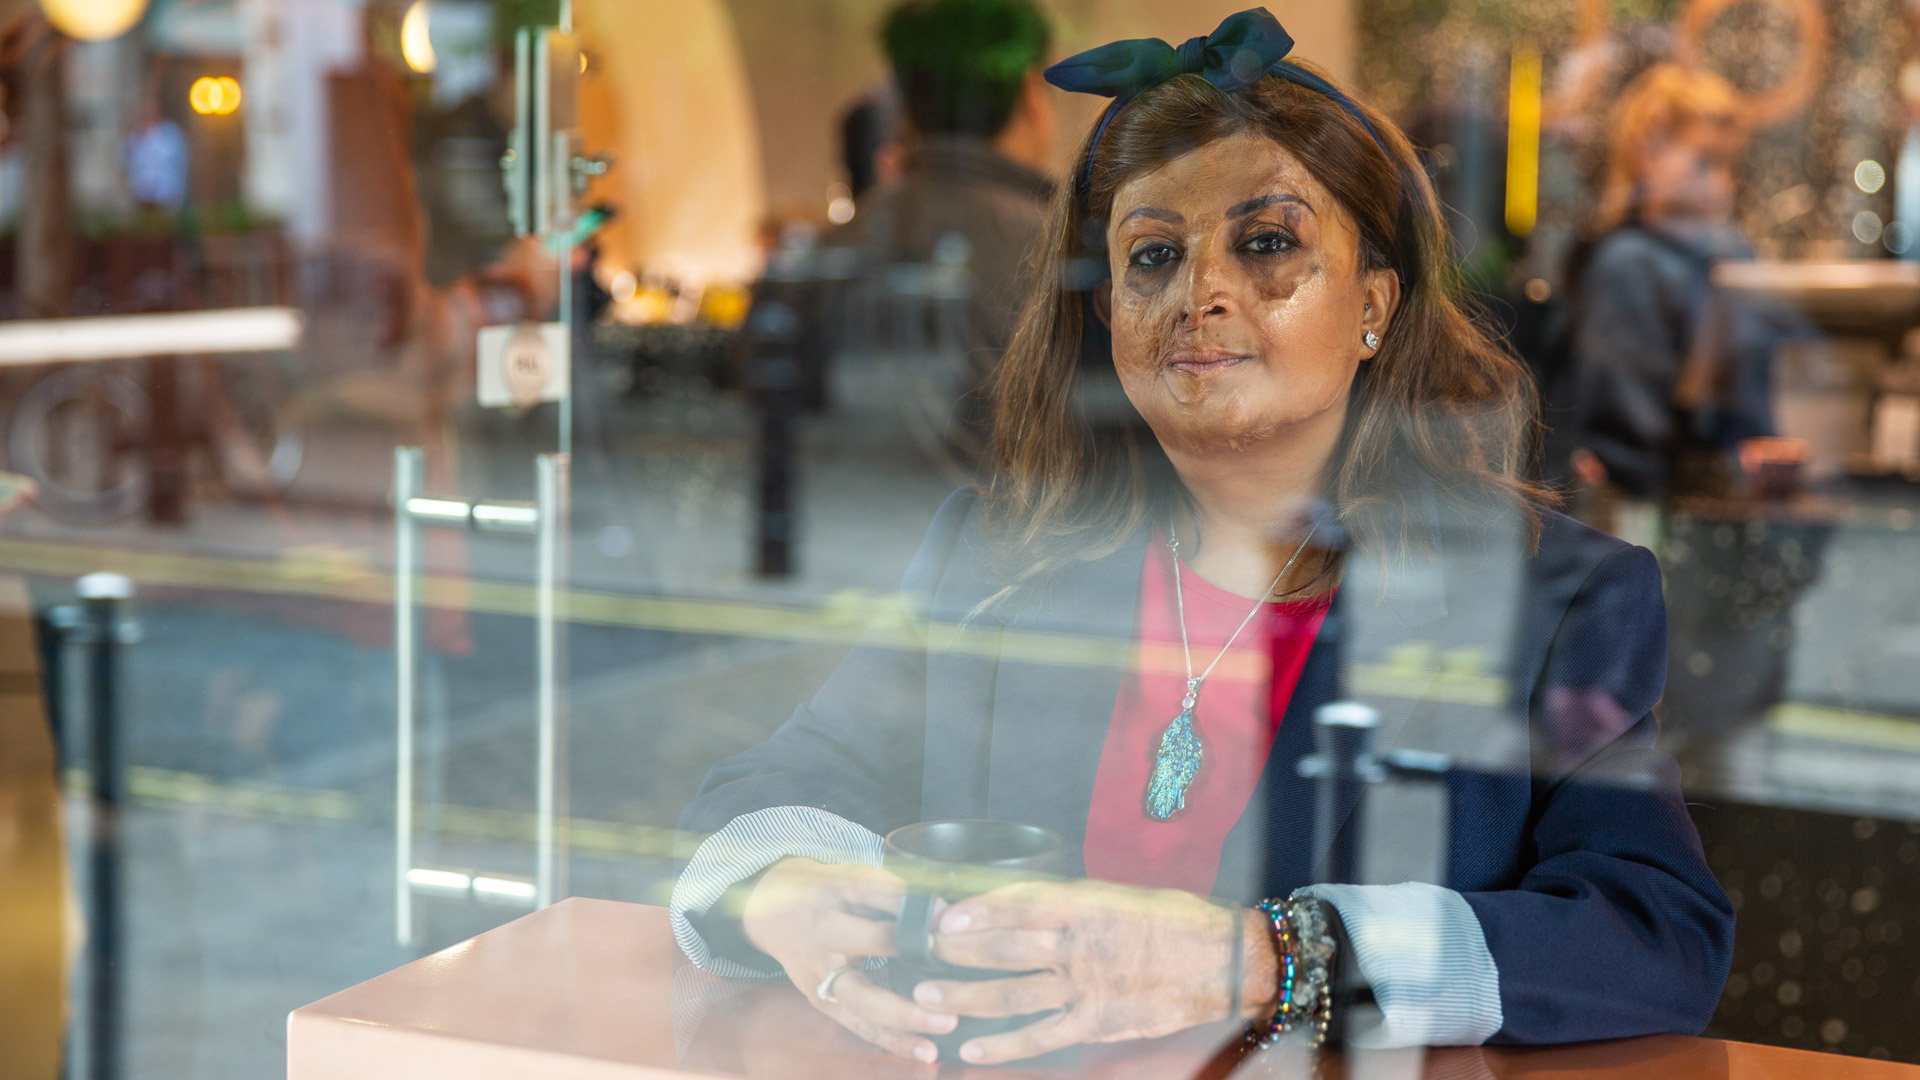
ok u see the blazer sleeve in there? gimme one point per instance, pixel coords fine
(827, 785)
(855, 749)
(1617, 928)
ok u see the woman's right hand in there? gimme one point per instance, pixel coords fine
(816, 918)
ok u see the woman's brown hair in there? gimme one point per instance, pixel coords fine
(1442, 414)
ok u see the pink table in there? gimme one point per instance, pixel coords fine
(597, 990)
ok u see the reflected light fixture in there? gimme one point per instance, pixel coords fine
(1867, 226)
(204, 96)
(1523, 142)
(1869, 176)
(1898, 237)
(840, 206)
(624, 286)
(211, 96)
(185, 333)
(93, 20)
(416, 44)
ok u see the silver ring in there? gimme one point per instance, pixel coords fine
(825, 990)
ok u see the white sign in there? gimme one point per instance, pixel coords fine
(523, 364)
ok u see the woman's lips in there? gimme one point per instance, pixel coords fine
(1204, 361)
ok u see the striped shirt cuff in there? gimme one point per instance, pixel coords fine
(1422, 951)
(747, 845)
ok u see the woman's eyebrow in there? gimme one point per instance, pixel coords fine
(1171, 217)
(1242, 209)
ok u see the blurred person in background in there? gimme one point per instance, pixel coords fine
(155, 157)
(870, 142)
(1672, 388)
(971, 191)
(1670, 377)
(871, 152)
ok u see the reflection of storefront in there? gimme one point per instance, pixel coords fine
(1818, 183)
(1779, 667)
(1820, 82)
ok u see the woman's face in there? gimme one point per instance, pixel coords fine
(1688, 176)
(1238, 304)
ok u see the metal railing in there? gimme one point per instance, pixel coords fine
(96, 629)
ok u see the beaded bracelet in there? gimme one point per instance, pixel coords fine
(1304, 946)
(1314, 939)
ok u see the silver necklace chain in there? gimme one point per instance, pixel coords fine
(1180, 603)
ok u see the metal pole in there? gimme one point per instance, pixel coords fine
(57, 629)
(103, 594)
(556, 168)
(567, 319)
(406, 557)
(773, 331)
(562, 149)
(551, 474)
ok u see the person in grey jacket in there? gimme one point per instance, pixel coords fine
(934, 264)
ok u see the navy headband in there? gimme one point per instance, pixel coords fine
(1242, 49)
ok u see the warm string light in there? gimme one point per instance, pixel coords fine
(840, 207)
(416, 40)
(93, 20)
(623, 286)
(214, 96)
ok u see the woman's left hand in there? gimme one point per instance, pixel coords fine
(1114, 962)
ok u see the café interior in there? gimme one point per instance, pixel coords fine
(434, 434)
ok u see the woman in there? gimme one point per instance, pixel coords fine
(1263, 261)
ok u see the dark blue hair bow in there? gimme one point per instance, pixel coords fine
(1244, 47)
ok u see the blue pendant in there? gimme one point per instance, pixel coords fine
(1174, 766)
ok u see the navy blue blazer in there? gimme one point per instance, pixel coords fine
(1569, 838)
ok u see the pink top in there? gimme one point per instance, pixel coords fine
(1237, 717)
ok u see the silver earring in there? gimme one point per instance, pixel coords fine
(1372, 339)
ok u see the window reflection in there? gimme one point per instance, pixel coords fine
(778, 280)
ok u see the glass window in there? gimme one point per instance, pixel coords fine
(981, 529)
